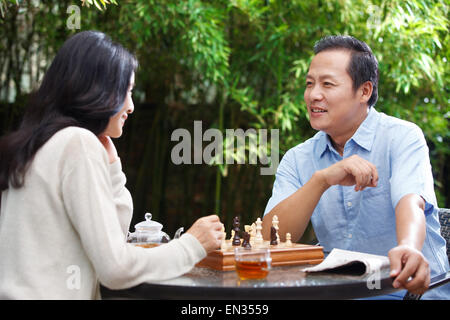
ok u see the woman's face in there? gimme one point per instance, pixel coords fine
(116, 122)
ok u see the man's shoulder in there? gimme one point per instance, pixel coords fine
(398, 132)
(394, 124)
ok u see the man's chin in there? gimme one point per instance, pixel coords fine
(316, 126)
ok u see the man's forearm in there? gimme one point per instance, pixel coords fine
(410, 221)
(295, 211)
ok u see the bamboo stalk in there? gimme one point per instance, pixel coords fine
(218, 174)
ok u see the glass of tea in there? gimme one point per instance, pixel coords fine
(252, 263)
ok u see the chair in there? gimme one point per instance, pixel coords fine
(444, 219)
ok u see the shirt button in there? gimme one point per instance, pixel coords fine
(350, 235)
(349, 203)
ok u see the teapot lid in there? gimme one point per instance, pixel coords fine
(148, 224)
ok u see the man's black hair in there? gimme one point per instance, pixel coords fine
(363, 65)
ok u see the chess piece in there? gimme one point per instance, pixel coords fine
(259, 238)
(273, 236)
(252, 233)
(246, 241)
(288, 240)
(236, 239)
(275, 225)
(223, 245)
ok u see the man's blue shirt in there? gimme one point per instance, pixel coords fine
(364, 221)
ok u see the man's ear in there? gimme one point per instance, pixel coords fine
(365, 91)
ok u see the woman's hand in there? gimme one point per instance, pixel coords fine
(208, 231)
(110, 148)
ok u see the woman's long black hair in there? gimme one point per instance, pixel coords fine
(85, 85)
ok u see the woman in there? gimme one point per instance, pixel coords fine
(65, 211)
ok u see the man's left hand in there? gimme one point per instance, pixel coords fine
(410, 269)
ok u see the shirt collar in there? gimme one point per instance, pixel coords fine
(363, 136)
(323, 143)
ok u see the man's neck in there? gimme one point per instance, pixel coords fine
(339, 140)
(338, 146)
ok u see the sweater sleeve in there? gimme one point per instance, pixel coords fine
(121, 195)
(88, 195)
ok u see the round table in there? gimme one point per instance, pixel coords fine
(287, 282)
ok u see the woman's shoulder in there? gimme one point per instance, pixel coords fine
(76, 141)
(74, 132)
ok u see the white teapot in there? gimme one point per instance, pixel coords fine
(150, 232)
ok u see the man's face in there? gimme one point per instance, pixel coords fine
(333, 105)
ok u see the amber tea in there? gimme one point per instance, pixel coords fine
(247, 270)
(252, 263)
(146, 245)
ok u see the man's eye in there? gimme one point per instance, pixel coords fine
(328, 84)
(308, 83)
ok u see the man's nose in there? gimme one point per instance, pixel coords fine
(315, 93)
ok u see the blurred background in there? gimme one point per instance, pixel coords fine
(231, 64)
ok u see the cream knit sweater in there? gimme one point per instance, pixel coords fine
(64, 231)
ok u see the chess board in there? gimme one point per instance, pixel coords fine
(282, 255)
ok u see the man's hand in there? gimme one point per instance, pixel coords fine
(410, 269)
(353, 170)
(110, 148)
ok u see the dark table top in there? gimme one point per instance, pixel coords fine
(288, 282)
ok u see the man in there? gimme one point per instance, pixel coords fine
(364, 180)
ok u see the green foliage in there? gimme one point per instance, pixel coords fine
(242, 64)
(100, 4)
(4, 4)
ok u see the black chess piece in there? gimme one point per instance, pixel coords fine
(273, 236)
(246, 241)
(236, 239)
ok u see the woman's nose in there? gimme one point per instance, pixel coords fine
(130, 108)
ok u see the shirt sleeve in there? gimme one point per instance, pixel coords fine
(286, 181)
(411, 168)
(88, 195)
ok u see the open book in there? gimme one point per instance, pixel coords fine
(350, 262)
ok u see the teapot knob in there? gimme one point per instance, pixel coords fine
(148, 216)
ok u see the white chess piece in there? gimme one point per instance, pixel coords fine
(275, 225)
(288, 240)
(224, 245)
(259, 241)
(252, 234)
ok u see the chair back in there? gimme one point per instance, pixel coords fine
(444, 219)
